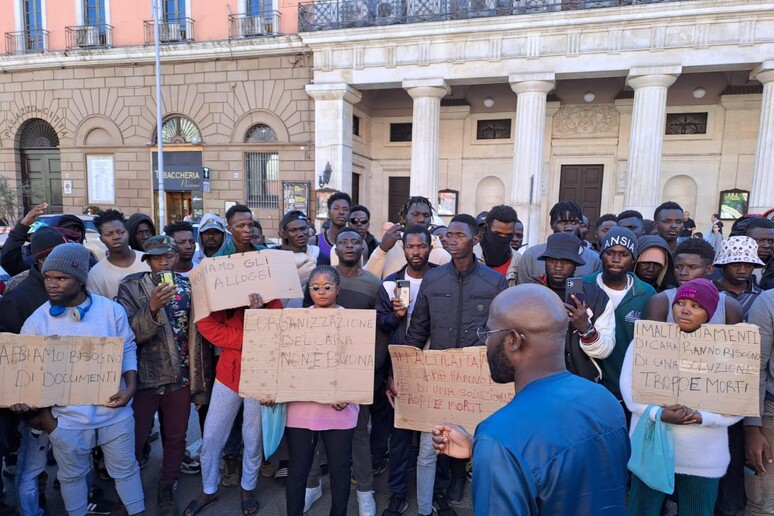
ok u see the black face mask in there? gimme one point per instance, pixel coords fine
(497, 249)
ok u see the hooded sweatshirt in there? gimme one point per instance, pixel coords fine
(131, 227)
(666, 279)
(207, 225)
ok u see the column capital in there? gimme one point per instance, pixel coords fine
(532, 82)
(764, 72)
(434, 88)
(645, 76)
(334, 91)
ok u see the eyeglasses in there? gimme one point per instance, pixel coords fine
(358, 221)
(483, 333)
(328, 287)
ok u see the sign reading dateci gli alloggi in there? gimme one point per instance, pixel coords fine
(182, 171)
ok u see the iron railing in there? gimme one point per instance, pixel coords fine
(26, 41)
(241, 26)
(339, 14)
(89, 36)
(171, 30)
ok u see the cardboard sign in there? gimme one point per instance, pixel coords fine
(452, 386)
(309, 354)
(47, 371)
(716, 368)
(227, 281)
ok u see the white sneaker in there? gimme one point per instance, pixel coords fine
(366, 504)
(312, 495)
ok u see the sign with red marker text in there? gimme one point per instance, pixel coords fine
(46, 371)
(451, 386)
(227, 281)
(309, 354)
(716, 368)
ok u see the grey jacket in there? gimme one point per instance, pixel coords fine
(762, 315)
(158, 359)
(451, 305)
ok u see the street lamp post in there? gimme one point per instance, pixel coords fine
(158, 15)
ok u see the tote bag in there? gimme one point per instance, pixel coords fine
(653, 452)
(273, 426)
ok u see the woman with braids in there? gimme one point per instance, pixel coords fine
(565, 216)
(389, 258)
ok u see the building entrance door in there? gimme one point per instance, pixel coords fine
(583, 184)
(399, 188)
(41, 171)
(178, 205)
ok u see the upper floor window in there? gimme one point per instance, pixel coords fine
(493, 129)
(260, 133)
(94, 13)
(179, 130)
(257, 7)
(33, 16)
(174, 10)
(686, 123)
(356, 125)
(401, 132)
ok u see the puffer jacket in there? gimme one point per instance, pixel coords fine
(452, 305)
(158, 360)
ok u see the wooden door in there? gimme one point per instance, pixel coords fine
(398, 194)
(178, 204)
(583, 184)
(42, 175)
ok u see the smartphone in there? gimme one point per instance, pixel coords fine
(404, 291)
(749, 471)
(574, 287)
(167, 277)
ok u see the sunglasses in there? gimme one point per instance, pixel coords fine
(328, 287)
(358, 221)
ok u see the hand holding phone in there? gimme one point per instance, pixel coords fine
(574, 287)
(404, 292)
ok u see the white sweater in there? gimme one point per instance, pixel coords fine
(700, 450)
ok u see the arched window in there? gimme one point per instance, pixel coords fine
(38, 134)
(179, 130)
(261, 133)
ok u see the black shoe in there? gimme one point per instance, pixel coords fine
(456, 491)
(398, 505)
(97, 506)
(166, 498)
(281, 475)
(380, 468)
(441, 506)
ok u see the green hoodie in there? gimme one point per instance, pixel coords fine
(631, 308)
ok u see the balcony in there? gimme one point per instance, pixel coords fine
(242, 26)
(171, 30)
(89, 36)
(340, 14)
(26, 42)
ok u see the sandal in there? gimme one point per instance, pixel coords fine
(194, 507)
(249, 506)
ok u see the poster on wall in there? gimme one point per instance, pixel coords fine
(101, 179)
(733, 203)
(295, 195)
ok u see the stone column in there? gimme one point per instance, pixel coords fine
(333, 131)
(643, 183)
(425, 132)
(762, 193)
(531, 93)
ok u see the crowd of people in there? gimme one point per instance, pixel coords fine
(557, 320)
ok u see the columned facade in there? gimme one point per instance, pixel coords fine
(425, 134)
(333, 144)
(531, 94)
(643, 186)
(762, 193)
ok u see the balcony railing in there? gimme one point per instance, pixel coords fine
(26, 41)
(241, 26)
(339, 14)
(171, 30)
(89, 36)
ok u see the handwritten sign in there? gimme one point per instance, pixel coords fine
(452, 386)
(227, 281)
(47, 371)
(309, 354)
(716, 368)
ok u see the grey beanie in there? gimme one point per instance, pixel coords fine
(71, 259)
(620, 236)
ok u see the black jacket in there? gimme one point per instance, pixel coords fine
(577, 361)
(13, 259)
(452, 305)
(386, 320)
(22, 301)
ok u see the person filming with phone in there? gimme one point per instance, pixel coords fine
(591, 330)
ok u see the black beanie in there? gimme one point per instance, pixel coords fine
(44, 240)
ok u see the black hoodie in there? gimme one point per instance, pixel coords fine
(131, 227)
(666, 279)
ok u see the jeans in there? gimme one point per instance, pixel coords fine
(72, 450)
(425, 473)
(224, 405)
(362, 470)
(174, 408)
(301, 447)
(760, 489)
(31, 462)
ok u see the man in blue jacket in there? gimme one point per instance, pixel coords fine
(560, 446)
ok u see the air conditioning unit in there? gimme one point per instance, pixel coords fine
(169, 32)
(87, 37)
(251, 26)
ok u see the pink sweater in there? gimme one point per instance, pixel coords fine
(321, 416)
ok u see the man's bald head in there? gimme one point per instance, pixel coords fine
(533, 309)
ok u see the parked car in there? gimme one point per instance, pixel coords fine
(92, 241)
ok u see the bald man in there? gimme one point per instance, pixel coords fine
(560, 447)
